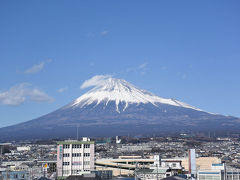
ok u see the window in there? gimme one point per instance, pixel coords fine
(65, 163)
(76, 146)
(86, 162)
(76, 154)
(66, 155)
(66, 146)
(86, 145)
(86, 154)
(66, 172)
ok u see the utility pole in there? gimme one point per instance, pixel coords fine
(238, 174)
(7, 173)
(135, 172)
(143, 171)
(77, 131)
(225, 171)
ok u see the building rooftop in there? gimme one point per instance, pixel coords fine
(75, 142)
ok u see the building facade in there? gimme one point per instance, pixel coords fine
(75, 157)
(15, 175)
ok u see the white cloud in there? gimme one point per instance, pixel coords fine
(184, 76)
(142, 69)
(90, 35)
(95, 81)
(60, 90)
(142, 66)
(18, 94)
(163, 68)
(91, 64)
(37, 67)
(104, 33)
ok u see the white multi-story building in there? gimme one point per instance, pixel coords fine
(23, 148)
(75, 157)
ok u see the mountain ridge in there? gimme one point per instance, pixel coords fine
(119, 90)
(116, 107)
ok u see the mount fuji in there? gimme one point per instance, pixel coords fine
(116, 107)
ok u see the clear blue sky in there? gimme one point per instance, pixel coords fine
(187, 50)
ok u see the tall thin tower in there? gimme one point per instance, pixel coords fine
(192, 162)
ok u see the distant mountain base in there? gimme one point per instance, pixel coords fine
(65, 132)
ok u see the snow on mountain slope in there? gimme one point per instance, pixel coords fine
(120, 91)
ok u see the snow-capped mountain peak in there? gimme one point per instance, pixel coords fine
(120, 91)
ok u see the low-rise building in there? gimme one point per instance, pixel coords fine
(15, 175)
(23, 148)
(75, 157)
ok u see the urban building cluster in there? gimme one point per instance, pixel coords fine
(182, 157)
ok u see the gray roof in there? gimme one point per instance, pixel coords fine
(43, 178)
(173, 178)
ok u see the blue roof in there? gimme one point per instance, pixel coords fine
(209, 173)
(220, 164)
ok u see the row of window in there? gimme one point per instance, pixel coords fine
(76, 155)
(86, 145)
(66, 172)
(86, 162)
(76, 146)
(66, 155)
(80, 163)
(86, 154)
(78, 171)
(66, 163)
(15, 176)
(67, 146)
(76, 163)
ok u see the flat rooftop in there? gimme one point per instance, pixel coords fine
(75, 142)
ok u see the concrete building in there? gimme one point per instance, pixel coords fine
(210, 175)
(157, 160)
(23, 148)
(126, 165)
(192, 162)
(153, 174)
(217, 172)
(75, 157)
(202, 163)
(4, 147)
(15, 175)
